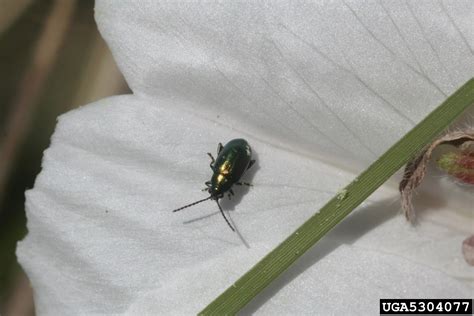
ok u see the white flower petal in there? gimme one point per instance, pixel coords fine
(319, 91)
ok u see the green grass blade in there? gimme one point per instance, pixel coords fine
(279, 259)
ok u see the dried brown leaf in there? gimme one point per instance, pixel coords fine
(415, 170)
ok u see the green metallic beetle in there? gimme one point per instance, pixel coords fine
(232, 161)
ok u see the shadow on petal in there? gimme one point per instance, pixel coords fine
(353, 228)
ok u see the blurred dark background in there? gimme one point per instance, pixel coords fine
(52, 59)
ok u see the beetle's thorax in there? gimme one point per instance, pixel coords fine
(220, 180)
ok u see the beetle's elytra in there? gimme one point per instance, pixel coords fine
(232, 161)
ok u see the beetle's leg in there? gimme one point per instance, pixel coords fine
(244, 183)
(251, 164)
(208, 185)
(212, 158)
(212, 161)
(219, 148)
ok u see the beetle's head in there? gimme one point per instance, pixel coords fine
(215, 192)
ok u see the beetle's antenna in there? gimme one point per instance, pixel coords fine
(222, 212)
(197, 202)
